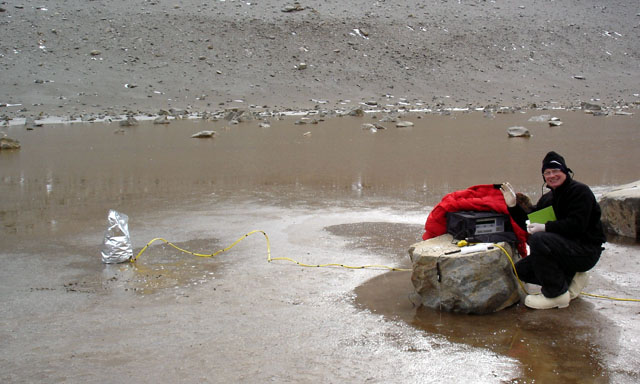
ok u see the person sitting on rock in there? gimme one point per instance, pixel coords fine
(561, 251)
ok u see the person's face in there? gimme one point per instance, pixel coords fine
(554, 177)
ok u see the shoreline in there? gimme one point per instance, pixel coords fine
(256, 112)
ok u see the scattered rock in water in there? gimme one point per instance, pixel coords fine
(404, 124)
(163, 119)
(9, 143)
(130, 121)
(555, 122)
(203, 134)
(518, 132)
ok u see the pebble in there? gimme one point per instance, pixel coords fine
(203, 134)
(518, 132)
(404, 124)
(9, 143)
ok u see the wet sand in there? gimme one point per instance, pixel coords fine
(340, 194)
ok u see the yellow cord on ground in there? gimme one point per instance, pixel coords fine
(269, 258)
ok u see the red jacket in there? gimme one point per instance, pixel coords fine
(477, 198)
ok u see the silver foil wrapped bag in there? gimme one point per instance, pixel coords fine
(117, 246)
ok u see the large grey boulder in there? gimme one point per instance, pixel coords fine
(621, 210)
(479, 282)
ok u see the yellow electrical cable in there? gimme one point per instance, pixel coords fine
(270, 259)
(513, 265)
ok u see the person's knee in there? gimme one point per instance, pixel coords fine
(540, 243)
(537, 239)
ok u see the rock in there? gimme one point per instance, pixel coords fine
(540, 118)
(204, 134)
(301, 66)
(590, 107)
(295, 7)
(130, 121)
(264, 124)
(29, 123)
(404, 124)
(623, 113)
(518, 132)
(162, 119)
(474, 283)
(358, 112)
(95, 52)
(9, 143)
(555, 123)
(621, 210)
(579, 77)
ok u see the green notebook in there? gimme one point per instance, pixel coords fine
(543, 215)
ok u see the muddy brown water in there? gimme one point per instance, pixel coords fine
(62, 182)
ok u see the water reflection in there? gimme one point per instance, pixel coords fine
(66, 171)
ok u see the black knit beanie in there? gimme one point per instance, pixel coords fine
(554, 161)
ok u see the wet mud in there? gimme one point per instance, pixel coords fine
(329, 192)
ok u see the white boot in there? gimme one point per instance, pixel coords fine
(580, 280)
(542, 302)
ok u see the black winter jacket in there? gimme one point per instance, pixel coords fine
(577, 213)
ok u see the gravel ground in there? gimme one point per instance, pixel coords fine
(75, 57)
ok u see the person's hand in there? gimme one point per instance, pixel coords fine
(509, 194)
(535, 227)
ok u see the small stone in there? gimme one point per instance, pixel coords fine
(578, 77)
(590, 106)
(95, 52)
(301, 66)
(404, 124)
(358, 112)
(203, 134)
(9, 143)
(163, 119)
(130, 121)
(518, 132)
(264, 124)
(555, 123)
(295, 7)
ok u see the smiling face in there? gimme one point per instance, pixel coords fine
(554, 177)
